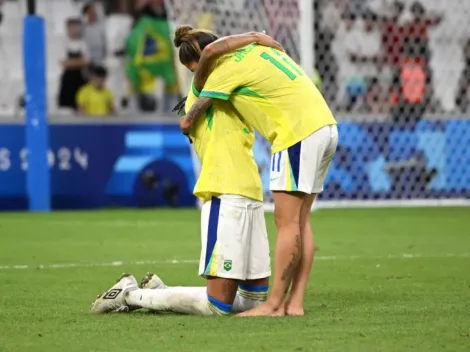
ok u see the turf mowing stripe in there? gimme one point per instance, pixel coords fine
(194, 261)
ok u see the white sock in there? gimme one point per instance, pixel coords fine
(185, 300)
(249, 297)
(242, 304)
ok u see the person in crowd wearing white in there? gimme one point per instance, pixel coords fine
(74, 63)
(357, 48)
(94, 34)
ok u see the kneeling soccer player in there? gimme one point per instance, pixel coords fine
(235, 250)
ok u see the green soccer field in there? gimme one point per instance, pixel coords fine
(384, 280)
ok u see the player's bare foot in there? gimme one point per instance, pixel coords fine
(281, 312)
(294, 310)
(263, 310)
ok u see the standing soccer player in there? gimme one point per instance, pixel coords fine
(235, 249)
(275, 96)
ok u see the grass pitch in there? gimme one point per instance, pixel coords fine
(384, 280)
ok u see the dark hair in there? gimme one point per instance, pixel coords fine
(99, 71)
(349, 15)
(73, 21)
(369, 15)
(87, 7)
(192, 42)
(417, 8)
(398, 5)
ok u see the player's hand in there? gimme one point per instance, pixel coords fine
(266, 40)
(185, 126)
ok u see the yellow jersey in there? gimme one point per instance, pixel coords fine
(223, 142)
(272, 93)
(95, 102)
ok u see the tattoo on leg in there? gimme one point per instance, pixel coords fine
(288, 273)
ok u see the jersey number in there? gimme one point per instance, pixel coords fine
(280, 66)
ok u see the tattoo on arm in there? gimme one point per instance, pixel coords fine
(196, 111)
(207, 61)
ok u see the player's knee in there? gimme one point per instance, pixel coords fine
(284, 219)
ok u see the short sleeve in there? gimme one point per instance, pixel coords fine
(81, 96)
(110, 97)
(223, 81)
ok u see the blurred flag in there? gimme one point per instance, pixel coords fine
(149, 52)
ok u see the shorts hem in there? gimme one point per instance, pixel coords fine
(259, 276)
(279, 189)
(223, 276)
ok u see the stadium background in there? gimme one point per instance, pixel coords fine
(393, 279)
(398, 86)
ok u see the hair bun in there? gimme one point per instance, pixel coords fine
(182, 34)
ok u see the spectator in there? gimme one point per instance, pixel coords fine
(412, 78)
(94, 34)
(416, 30)
(362, 52)
(411, 88)
(392, 35)
(94, 99)
(74, 64)
(462, 99)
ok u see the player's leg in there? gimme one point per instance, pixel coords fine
(285, 167)
(288, 250)
(318, 154)
(222, 263)
(250, 294)
(294, 304)
(254, 291)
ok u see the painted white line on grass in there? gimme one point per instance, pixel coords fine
(119, 263)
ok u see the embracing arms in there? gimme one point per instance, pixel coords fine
(206, 64)
(225, 45)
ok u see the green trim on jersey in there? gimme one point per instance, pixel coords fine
(246, 91)
(215, 95)
(210, 116)
(195, 91)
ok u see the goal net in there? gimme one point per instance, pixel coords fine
(397, 76)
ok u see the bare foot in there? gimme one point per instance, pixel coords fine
(293, 310)
(281, 312)
(263, 310)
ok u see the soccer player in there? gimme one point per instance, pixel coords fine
(235, 249)
(275, 96)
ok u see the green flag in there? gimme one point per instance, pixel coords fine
(149, 52)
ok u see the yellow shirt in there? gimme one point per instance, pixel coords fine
(223, 143)
(95, 102)
(272, 93)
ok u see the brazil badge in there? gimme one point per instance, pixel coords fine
(227, 265)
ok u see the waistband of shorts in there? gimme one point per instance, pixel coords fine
(237, 200)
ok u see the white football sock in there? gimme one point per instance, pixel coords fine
(185, 300)
(242, 304)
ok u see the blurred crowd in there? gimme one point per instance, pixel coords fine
(373, 62)
(99, 79)
(83, 82)
(371, 56)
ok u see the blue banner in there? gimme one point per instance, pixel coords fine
(102, 165)
(151, 165)
(387, 161)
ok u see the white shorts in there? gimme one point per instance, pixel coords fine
(303, 166)
(234, 239)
